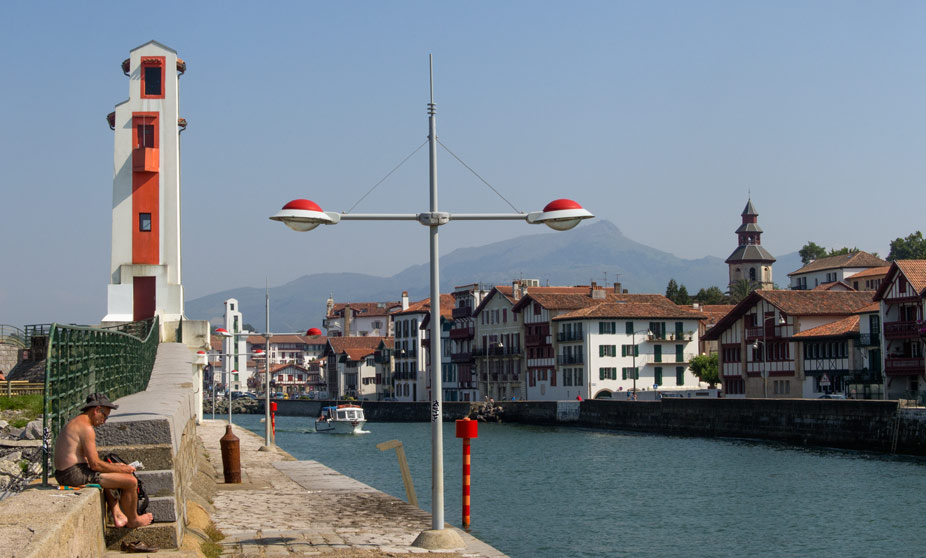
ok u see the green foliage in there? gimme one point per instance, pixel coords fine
(24, 465)
(19, 422)
(711, 295)
(683, 297)
(31, 405)
(810, 252)
(911, 248)
(672, 290)
(740, 289)
(706, 368)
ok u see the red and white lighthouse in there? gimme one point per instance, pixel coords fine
(145, 272)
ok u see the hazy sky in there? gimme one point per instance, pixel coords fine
(658, 116)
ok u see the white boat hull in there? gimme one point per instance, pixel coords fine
(340, 426)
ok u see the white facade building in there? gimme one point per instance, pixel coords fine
(498, 349)
(607, 350)
(145, 270)
(834, 268)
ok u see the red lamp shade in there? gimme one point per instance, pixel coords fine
(562, 203)
(313, 332)
(302, 215)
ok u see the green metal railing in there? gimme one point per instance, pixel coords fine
(83, 360)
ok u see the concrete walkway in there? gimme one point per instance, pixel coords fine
(288, 508)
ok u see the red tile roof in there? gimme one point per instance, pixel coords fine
(295, 339)
(715, 312)
(833, 285)
(632, 310)
(873, 307)
(871, 272)
(915, 272)
(364, 309)
(796, 303)
(357, 348)
(838, 328)
(447, 302)
(853, 259)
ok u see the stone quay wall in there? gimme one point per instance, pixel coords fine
(881, 426)
(156, 427)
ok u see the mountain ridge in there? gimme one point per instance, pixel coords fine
(589, 253)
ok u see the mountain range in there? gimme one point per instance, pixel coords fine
(592, 252)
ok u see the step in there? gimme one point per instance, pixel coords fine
(161, 535)
(154, 457)
(157, 483)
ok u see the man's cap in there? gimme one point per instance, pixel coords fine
(98, 400)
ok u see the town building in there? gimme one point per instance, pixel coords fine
(359, 319)
(759, 355)
(289, 348)
(145, 270)
(353, 368)
(292, 380)
(870, 279)
(498, 351)
(459, 379)
(901, 297)
(750, 261)
(409, 373)
(833, 269)
(450, 383)
(617, 348)
(710, 315)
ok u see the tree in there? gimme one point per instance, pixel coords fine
(740, 289)
(711, 295)
(672, 290)
(683, 297)
(706, 368)
(911, 248)
(810, 252)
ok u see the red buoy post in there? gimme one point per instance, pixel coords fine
(273, 418)
(466, 429)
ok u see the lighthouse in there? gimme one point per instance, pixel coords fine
(145, 271)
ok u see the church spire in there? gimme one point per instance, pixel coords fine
(750, 260)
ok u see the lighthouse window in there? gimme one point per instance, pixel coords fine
(153, 81)
(144, 222)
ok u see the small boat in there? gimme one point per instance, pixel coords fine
(342, 419)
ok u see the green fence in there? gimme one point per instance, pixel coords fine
(84, 360)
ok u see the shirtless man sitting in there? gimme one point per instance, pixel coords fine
(77, 463)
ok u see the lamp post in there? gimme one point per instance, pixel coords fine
(268, 429)
(633, 339)
(488, 348)
(304, 215)
(257, 354)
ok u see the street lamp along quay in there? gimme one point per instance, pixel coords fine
(304, 215)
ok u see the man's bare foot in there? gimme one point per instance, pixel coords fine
(119, 518)
(140, 521)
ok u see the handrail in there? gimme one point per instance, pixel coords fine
(84, 360)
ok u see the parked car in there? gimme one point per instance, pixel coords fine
(278, 395)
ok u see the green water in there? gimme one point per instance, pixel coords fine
(561, 492)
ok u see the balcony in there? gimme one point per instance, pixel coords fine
(462, 312)
(894, 366)
(536, 340)
(565, 336)
(869, 340)
(461, 357)
(145, 159)
(462, 332)
(901, 330)
(754, 333)
(570, 359)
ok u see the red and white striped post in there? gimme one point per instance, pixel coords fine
(466, 429)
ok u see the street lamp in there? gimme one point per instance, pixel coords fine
(304, 215)
(633, 339)
(489, 346)
(222, 332)
(258, 353)
(764, 353)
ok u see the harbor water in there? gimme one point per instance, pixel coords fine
(552, 492)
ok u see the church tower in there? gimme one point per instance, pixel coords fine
(145, 267)
(750, 260)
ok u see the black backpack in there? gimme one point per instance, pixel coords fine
(142, 495)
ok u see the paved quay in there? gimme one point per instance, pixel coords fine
(285, 507)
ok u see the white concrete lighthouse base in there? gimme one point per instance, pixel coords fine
(439, 539)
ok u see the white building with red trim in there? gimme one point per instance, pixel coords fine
(145, 270)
